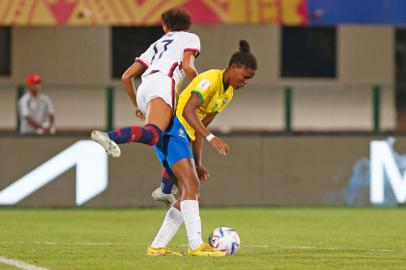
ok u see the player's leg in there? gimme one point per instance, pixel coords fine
(173, 218)
(155, 99)
(157, 119)
(170, 226)
(189, 182)
(164, 192)
(189, 205)
(172, 221)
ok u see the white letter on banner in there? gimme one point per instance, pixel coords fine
(91, 173)
(383, 161)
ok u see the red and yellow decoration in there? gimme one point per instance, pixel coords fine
(148, 12)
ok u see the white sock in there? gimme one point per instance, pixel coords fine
(191, 217)
(170, 226)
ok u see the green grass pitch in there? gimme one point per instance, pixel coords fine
(271, 238)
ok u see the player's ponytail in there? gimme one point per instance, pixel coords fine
(244, 57)
(244, 46)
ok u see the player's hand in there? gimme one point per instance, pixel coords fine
(139, 115)
(220, 145)
(52, 130)
(202, 173)
(43, 130)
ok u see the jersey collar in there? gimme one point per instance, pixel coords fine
(225, 86)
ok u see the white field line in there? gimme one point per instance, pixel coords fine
(20, 264)
(50, 243)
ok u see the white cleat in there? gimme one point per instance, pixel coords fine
(109, 145)
(168, 199)
(175, 190)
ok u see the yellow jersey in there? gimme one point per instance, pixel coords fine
(210, 88)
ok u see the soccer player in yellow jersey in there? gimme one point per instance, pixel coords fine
(206, 96)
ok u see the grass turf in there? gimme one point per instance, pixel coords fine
(271, 238)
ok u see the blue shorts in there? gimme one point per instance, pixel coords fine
(174, 145)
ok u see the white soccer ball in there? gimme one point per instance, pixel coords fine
(225, 239)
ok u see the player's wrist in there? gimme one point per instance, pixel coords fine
(210, 137)
(198, 164)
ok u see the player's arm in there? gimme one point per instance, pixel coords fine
(51, 120)
(32, 122)
(198, 142)
(24, 112)
(198, 150)
(52, 129)
(128, 80)
(51, 116)
(38, 127)
(188, 64)
(190, 115)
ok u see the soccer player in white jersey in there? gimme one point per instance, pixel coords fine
(163, 67)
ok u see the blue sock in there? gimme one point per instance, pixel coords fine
(166, 182)
(149, 134)
(166, 185)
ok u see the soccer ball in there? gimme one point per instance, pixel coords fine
(225, 239)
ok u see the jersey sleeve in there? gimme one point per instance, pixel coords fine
(193, 44)
(204, 88)
(145, 58)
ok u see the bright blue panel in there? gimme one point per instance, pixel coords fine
(357, 12)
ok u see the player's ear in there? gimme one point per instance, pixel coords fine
(234, 66)
(165, 28)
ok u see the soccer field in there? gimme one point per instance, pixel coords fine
(271, 238)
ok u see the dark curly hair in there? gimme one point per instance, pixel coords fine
(176, 19)
(244, 57)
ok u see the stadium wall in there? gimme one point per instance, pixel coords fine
(82, 55)
(260, 170)
(75, 58)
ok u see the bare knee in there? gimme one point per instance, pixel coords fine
(190, 188)
(187, 178)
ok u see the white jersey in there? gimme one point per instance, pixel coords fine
(38, 108)
(166, 54)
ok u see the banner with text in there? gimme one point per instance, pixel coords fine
(260, 170)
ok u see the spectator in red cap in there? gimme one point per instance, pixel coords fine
(36, 109)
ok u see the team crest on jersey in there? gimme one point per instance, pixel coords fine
(225, 100)
(204, 84)
(181, 133)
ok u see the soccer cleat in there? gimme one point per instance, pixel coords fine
(175, 190)
(109, 145)
(163, 251)
(206, 250)
(168, 199)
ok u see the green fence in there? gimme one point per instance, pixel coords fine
(288, 106)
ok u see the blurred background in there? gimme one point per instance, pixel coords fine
(330, 82)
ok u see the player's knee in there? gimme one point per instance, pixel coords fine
(192, 186)
(153, 134)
